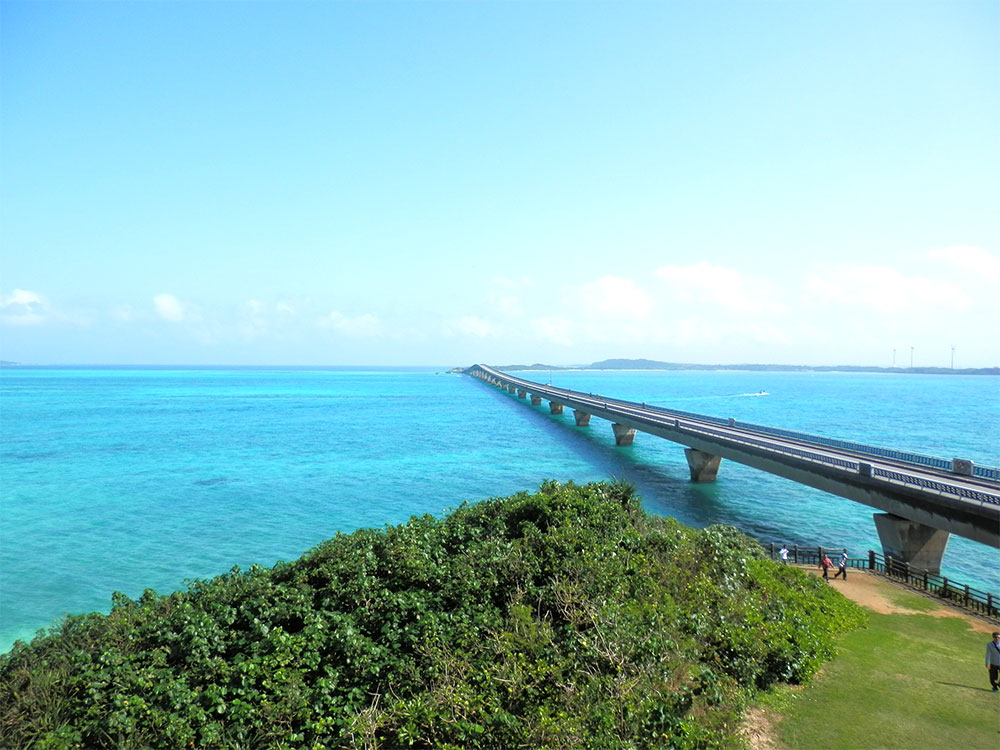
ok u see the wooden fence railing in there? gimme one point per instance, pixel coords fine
(963, 595)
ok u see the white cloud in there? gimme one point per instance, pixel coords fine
(553, 329)
(695, 330)
(729, 288)
(507, 305)
(979, 264)
(169, 308)
(359, 325)
(122, 314)
(881, 290)
(505, 282)
(471, 326)
(506, 296)
(22, 308)
(617, 298)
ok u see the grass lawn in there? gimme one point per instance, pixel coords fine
(907, 682)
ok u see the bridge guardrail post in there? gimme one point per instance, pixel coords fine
(871, 559)
(962, 466)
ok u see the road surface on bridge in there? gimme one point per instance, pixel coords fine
(940, 499)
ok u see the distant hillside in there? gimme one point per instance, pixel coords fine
(651, 364)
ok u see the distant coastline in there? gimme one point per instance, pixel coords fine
(607, 364)
(650, 364)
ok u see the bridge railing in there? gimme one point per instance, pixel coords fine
(930, 484)
(955, 593)
(854, 466)
(984, 472)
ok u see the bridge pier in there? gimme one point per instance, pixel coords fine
(521, 393)
(623, 435)
(582, 418)
(920, 546)
(704, 466)
(535, 400)
(964, 501)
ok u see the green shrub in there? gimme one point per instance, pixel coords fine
(563, 618)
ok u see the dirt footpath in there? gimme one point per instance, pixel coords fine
(873, 592)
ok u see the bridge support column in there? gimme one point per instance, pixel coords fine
(920, 546)
(535, 400)
(704, 466)
(623, 435)
(511, 389)
(582, 418)
(521, 393)
(555, 408)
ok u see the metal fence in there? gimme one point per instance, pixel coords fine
(955, 593)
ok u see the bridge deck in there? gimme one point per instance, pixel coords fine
(929, 495)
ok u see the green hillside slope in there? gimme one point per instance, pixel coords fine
(564, 618)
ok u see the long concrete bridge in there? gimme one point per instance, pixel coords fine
(922, 499)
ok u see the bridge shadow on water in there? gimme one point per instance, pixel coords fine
(665, 488)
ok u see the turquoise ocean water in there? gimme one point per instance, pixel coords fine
(127, 479)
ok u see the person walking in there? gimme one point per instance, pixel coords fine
(993, 661)
(825, 564)
(842, 566)
(783, 553)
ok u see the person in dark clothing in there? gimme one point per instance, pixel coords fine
(993, 661)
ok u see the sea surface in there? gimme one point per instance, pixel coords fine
(123, 479)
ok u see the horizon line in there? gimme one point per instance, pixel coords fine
(534, 365)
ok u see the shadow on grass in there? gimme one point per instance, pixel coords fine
(967, 687)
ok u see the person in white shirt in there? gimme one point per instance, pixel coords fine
(842, 566)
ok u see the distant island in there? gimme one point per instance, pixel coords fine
(650, 364)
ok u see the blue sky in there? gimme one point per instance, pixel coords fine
(448, 183)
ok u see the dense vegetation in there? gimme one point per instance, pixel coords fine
(564, 618)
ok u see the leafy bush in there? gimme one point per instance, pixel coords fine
(564, 618)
